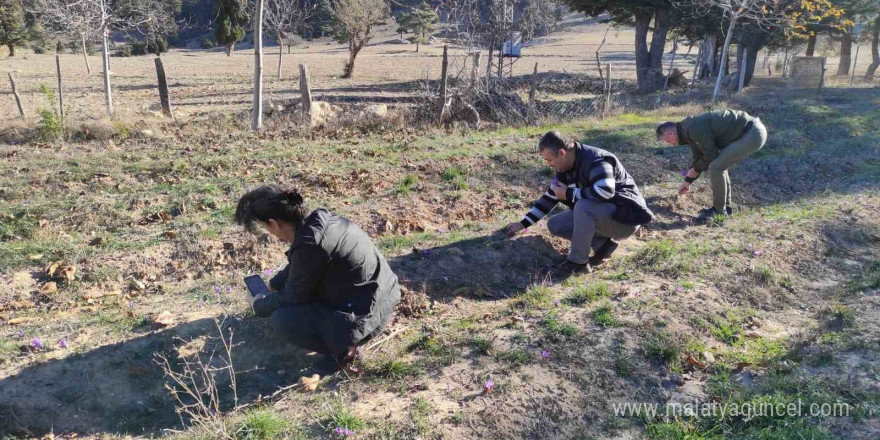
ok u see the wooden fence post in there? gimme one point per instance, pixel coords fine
(608, 89)
(532, 90)
(305, 93)
(441, 105)
(60, 90)
(17, 97)
(164, 100)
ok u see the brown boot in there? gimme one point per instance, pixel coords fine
(346, 361)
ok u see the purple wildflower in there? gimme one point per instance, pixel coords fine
(217, 289)
(21, 333)
(228, 289)
(62, 343)
(679, 289)
(684, 173)
(268, 272)
(489, 385)
(545, 354)
(37, 343)
(347, 432)
(555, 303)
(757, 253)
(338, 430)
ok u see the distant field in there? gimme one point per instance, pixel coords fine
(208, 80)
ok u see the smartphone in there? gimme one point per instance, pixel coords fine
(256, 285)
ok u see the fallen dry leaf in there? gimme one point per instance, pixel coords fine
(695, 363)
(22, 320)
(309, 384)
(35, 257)
(50, 287)
(165, 319)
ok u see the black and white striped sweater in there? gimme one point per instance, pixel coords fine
(596, 175)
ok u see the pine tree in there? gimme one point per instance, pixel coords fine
(12, 29)
(421, 21)
(232, 18)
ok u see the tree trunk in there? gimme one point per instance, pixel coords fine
(105, 55)
(352, 54)
(706, 63)
(86, 54)
(724, 52)
(280, 51)
(751, 40)
(845, 54)
(229, 49)
(649, 69)
(11, 49)
(811, 45)
(417, 47)
(257, 122)
(875, 51)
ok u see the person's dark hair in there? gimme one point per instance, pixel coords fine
(554, 141)
(269, 202)
(662, 128)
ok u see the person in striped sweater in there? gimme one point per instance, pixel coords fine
(604, 201)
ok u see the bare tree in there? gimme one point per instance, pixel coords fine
(70, 19)
(354, 23)
(100, 18)
(286, 17)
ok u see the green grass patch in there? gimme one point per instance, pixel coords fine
(604, 316)
(537, 296)
(395, 369)
(556, 331)
(263, 424)
(337, 415)
(517, 356)
(407, 184)
(671, 258)
(482, 346)
(663, 346)
(585, 294)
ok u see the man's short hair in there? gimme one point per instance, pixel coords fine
(555, 141)
(664, 127)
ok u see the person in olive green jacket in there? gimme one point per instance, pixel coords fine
(719, 140)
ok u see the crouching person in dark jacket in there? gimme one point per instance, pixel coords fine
(605, 202)
(337, 290)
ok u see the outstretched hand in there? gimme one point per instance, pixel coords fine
(513, 228)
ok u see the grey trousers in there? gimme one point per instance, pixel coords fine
(588, 225)
(750, 142)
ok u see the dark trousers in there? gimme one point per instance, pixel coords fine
(318, 328)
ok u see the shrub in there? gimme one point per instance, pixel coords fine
(124, 51)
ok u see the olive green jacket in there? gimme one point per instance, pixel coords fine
(708, 134)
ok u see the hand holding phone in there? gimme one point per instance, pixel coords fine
(256, 286)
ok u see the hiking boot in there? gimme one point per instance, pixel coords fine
(708, 214)
(569, 268)
(604, 252)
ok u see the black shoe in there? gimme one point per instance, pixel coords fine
(569, 268)
(708, 214)
(603, 253)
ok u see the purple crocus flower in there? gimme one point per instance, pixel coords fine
(217, 289)
(268, 272)
(489, 385)
(21, 333)
(545, 354)
(347, 432)
(228, 289)
(555, 303)
(338, 431)
(37, 343)
(757, 253)
(62, 343)
(684, 173)
(679, 289)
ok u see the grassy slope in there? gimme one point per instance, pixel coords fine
(780, 294)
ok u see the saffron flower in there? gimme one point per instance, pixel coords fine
(268, 272)
(338, 430)
(347, 432)
(489, 385)
(37, 343)
(555, 303)
(21, 333)
(679, 289)
(62, 343)
(684, 173)
(217, 289)
(545, 354)
(228, 289)
(757, 253)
